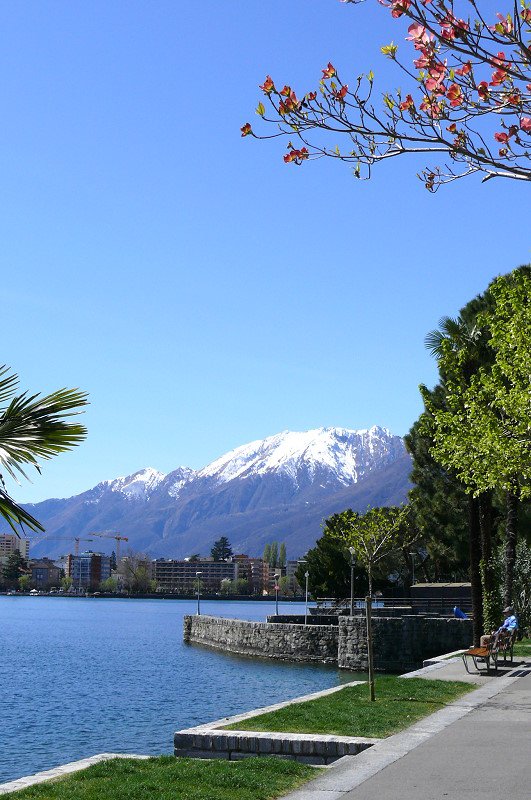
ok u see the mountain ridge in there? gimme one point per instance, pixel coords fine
(291, 479)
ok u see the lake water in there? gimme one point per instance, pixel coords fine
(81, 676)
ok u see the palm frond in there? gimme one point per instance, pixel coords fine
(15, 515)
(34, 427)
(8, 383)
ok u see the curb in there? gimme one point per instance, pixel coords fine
(213, 740)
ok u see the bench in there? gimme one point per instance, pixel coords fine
(489, 654)
(506, 643)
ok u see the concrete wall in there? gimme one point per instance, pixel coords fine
(400, 644)
(317, 643)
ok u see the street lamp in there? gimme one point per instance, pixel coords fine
(352, 563)
(197, 575)
(413, 564)
(277, 587)
(306, 575)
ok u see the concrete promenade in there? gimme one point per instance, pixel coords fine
(477, 748)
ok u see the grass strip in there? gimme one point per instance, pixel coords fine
(522, 648)
(350, 712)
(169, 778)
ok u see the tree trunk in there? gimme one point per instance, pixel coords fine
(511, 535)
(491, 610)
(474, 541)
(370, 656)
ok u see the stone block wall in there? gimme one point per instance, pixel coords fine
(400, 643)
(287, 642)
(236, 745)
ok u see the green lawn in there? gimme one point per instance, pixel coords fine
(169, 778)
(349, 712)
(523, 648)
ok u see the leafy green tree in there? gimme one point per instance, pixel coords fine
(328, 563)
(221, 549)
(24, 583)
(109, 585)
(483, 434)
(467, 340)
(240, 586)
(66, 582)
(290, 586)
(373, 536)
(266, 557)
(282, 556)
(273, 558)
(226, 586)
(440, 506)
(33, 428)
(377, 534)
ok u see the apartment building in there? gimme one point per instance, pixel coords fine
(10, 543)
(88, 570)
(44, 574)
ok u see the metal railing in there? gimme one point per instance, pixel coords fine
(415, 605)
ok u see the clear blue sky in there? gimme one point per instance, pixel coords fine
(203, 292)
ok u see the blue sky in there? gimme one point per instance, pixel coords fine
(204, 293)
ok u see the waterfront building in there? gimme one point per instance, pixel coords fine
(172, 575)
(88, 570)
(44, 574)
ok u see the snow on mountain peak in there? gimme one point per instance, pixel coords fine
(346, 454)
(137, 486)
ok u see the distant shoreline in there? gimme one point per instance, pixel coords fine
(157, 596)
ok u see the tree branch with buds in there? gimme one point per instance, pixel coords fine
(469, 101)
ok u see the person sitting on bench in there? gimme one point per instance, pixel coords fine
(510, 624)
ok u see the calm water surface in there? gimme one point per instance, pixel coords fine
(84, 676)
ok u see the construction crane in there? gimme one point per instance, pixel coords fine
(115, 536)
(76, 539)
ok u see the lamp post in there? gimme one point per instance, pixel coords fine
(306, 575)
(197, 575)
(352, 563)
(413, 565)
(277, 587)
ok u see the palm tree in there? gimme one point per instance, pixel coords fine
(464, 335)
(33, 428)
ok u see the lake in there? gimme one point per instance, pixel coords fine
(82, 676)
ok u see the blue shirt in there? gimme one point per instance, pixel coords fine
(510, 624)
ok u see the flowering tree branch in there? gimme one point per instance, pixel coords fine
(470, 100)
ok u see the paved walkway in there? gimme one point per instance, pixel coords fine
(479, 747)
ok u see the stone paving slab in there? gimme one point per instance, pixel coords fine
(61, 771)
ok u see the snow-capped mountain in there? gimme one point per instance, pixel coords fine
(139, 485)
(345, 454)
(281, 487)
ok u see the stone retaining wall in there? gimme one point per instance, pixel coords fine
(399, 643)
(317, 643)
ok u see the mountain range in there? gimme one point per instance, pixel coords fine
(280, 488)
